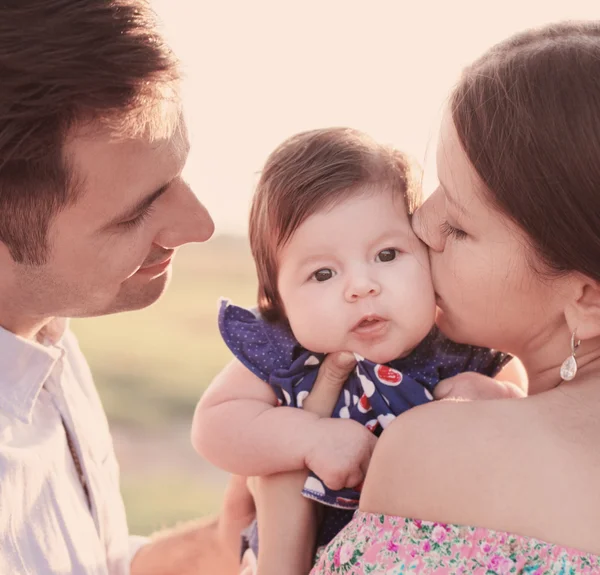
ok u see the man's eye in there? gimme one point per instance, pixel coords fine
(387, 255)
(138, 220)
(323, 274)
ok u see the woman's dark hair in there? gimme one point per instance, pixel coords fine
(528, 116)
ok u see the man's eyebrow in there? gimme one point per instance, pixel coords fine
(141, 205)
(451, 200)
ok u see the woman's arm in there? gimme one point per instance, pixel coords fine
(443, 461)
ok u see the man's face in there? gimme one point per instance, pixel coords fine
(111, 251)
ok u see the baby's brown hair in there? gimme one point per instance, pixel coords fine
(307, 173)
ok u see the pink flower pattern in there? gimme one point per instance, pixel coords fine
(372, 544)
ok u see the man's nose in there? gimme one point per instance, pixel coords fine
(188, 222)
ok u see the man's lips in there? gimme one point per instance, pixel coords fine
(157, 265)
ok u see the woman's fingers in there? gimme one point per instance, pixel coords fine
(332, 374)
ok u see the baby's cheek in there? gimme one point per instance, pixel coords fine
(315, 330)
(418, 309)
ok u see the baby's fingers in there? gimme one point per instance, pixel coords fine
(355, 477)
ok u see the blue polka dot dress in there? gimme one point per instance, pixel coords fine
(374, 394)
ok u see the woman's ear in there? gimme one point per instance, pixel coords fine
(583, 310)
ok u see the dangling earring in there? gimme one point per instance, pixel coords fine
(568, 370)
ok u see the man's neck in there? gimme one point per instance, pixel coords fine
(25, 327)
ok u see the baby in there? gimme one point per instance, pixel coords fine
(339, 269)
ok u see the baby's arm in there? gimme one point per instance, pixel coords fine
(238, 428)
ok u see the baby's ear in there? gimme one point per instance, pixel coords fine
(583, 310)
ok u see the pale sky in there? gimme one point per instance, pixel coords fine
(258, 71)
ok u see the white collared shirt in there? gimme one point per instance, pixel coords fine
(46, 525)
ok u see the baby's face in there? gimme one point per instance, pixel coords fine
(356, 278)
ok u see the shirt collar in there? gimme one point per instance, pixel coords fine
(25, 366)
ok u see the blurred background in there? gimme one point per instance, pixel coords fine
(257, 72)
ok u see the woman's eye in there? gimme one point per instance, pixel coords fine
(449, 230)
(323, 274)
(387, 255)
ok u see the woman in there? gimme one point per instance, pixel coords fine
(514, 235)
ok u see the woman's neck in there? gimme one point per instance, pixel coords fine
(543, 368)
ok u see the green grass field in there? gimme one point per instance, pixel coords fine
(151, 367)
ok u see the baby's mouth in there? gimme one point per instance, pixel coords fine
(369, 324)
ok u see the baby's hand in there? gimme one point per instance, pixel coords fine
(473, 386)
(341, 452)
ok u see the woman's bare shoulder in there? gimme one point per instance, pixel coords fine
(436, 460)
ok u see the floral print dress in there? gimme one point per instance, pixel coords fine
(388, 545)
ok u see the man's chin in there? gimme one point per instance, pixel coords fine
(134, 295)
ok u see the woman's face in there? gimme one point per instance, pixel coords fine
(487, 292)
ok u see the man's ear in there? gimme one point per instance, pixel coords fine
(583, 310)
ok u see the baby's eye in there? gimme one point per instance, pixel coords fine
(323, 274)
(386, 255)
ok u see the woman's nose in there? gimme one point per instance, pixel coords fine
(426, 223)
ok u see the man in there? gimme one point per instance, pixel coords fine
(92, 210)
